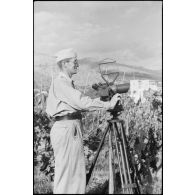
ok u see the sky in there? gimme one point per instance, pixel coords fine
(128, 31)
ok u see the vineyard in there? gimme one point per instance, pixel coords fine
(143, 126)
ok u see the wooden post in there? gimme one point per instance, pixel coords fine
(86, 82)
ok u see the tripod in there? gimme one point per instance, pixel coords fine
(120, 151)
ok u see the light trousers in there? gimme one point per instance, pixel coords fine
(70, 173)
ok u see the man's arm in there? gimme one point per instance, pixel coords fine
(75, 98)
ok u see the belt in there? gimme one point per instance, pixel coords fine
(72, 116)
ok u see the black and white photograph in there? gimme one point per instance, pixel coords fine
(97, 97)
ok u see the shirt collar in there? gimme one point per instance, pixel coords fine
(62, 75)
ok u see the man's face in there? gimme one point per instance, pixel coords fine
(72, 66)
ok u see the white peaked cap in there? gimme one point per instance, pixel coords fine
(65, 54)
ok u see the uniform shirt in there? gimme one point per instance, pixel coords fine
(63, 98)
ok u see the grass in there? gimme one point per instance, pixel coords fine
(98, 183)
(42, 185)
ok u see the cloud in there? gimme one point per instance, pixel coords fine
(50, 30)
(101, 29)
(55, 31)
(42, 17)
(130, 12)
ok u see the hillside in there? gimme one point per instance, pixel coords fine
(89, 73)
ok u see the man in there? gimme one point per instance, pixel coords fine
(65, 104)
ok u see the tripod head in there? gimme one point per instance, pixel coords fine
(116, 111)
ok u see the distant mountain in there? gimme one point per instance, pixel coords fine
(135, 71)
(89, 73)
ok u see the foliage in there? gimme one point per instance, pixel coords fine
(144, 137)
(43, 153)
(40, 97)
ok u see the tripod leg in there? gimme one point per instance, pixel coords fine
(137, 189)
(125, 152)
(111, 169)
(122, 159)
(119, 159)
(97, 154)
(128, 183)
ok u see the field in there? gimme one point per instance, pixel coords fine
(143, 124)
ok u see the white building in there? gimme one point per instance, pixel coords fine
(137, 88)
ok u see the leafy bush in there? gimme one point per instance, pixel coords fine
(143, 122)
(43, 152)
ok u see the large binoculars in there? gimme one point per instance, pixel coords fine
(106, 91)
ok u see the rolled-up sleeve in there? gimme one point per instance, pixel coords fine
(75, 98)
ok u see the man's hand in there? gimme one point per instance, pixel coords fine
(114, 100)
